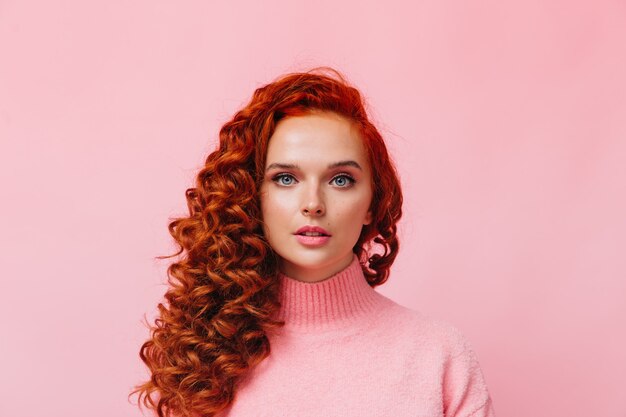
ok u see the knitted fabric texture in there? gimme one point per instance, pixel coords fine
(347, 350)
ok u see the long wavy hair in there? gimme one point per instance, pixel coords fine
(223, 291)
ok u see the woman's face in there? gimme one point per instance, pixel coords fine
(316, 174)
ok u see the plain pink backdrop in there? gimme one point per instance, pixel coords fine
(507, 121)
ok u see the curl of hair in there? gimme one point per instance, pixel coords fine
(223, 292)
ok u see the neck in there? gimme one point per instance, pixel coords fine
(340, 301)
(314, 273)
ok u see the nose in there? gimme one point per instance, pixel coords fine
(313, 204)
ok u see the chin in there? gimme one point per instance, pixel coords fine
(314, 259)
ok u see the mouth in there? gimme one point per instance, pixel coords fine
(312, 236)
(310, 230)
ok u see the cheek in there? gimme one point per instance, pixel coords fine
(354, 210)
(274, 208)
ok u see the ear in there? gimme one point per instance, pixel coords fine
(368, 218)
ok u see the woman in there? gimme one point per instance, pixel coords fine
(272, 310)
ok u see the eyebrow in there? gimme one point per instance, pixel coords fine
(330, 166)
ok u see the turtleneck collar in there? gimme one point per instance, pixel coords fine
(340, 300)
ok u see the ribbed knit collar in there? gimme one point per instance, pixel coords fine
(335, 302)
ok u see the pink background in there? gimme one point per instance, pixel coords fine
(507, 121)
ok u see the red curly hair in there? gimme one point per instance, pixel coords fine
(223, 292)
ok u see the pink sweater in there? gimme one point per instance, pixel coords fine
(347, 350)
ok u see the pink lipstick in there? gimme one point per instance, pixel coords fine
(312, 235)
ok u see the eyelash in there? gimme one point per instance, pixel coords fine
(351, 180)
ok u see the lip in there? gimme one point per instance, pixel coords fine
(312, 241)
(311, 228)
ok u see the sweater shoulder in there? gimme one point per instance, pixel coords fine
(416, 328)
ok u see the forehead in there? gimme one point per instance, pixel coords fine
(317, 136)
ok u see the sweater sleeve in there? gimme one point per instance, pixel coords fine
(465, 392)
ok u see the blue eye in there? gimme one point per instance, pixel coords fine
(280, 177)
(344, 180)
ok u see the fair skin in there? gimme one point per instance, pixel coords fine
(317, 173)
